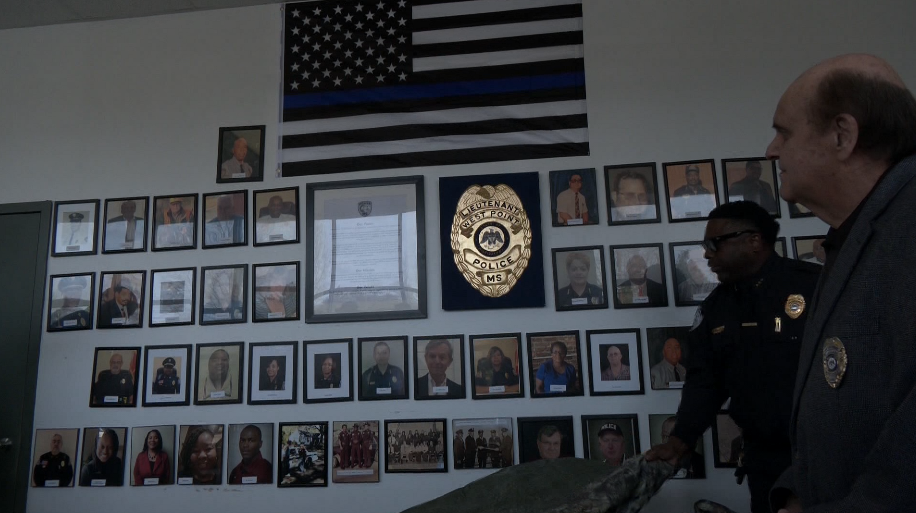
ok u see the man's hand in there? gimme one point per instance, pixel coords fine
(672, 451)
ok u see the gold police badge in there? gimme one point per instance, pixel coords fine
(795, 306)
(491, 238)
(834, 361)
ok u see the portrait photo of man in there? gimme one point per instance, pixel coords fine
(275, 292)
(752, 180)
(70, 304)
(114, 376)
(276, 216)
(573, 197)
(223, 294)
(639, 277)
(175, 222)
(632, 193)
(75, 225)
(249, 464)
(667, 350)
(545, 438)
(226, 219)
(439, 366)
(615, 364)
(219, 373)
(610, 439)
(693, 278)
(241, 158)
(54, 468)
(691, 188)
(125, 225)
(382, 363)
(579, 281)
(660, 427)
(121, 299)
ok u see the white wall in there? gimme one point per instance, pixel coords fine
(133, 107)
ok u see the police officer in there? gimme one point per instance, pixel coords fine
(382, 379)
(481, 449)
(114, 386)
(53, 466)
(470, 449)
(744, 345)
(72, 314)
(167, 381)
(493, 449)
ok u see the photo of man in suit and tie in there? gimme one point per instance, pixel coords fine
(441, 380)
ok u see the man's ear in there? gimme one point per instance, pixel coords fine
(846, 135)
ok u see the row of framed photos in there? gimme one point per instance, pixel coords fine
(202, 454)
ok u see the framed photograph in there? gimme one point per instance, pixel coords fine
(103, 456)
(275, 292)
(691, 189)
(632, 194)
(780, 247)
(382, 361)
(125, 229)
(545, 438)
(555, 364)
(241, 154)
(219, 373)
(366, 260)
(225, 219)
(276, 216)
(205, 443)
(667, 351)
(152, 452)
(752, 179)
(611, 439)
(172, 297)
(727, 442)
(797, 210)
(272, 371)
(578, 278)
(416, 446)
(75, 224)
(497, 450)
(224, 294)
(249, 451)
(693, 279)
(54, 457)
(121, 299)
(168, 371)
(573, 197)
(174, 222)
(71, 297)
(660, 426)
(114, 377)
(326, 370)
(439, 367)
(615, 362)
(639, 276)
(356, 452)
(496, 367)
(303, 454)
(810, 249)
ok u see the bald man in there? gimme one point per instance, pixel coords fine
(235, 166)
(846, 144)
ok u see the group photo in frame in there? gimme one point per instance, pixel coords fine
(75, 228)
(272, 372)
(121, 299)
(327, 370)
(496, 366)
(55, 467)
(545, 438)
(668, 350)
(70, 301)
(125, 229)
(611, 439)
(114, 377)
(638, 274)
(167, 375)
(241, 154)
(754, 180)
(224, 294)
(152, 455)
(573, 197)
(727, 442)
(172, 297)
(102, 463)
(302, 451)
(632, 194)
(205, 442)
(555, 364)
(276, 216)
(355, 448)
(660, 426)
(174, 222)
(810, 249)
(382, 361)
(224, 222)
(275, 292)
(579, 281)
(249, 454)
(483, 443)
(690, 189)
(219, 373)
(439, 367)
(614, 362)
(416, 446)
(693, 279)
(366, 260)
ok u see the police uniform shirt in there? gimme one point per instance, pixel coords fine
(119, 385)
(392, 378)
(70, 318)
(51, 467)
(592, 295)
(166, 384)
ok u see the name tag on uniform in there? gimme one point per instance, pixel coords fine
(150, 481)
(440, 390)
(71, 322)
(110, 399)
(580, 301)
(276, 315)
(97, 482)
(218, 395)
(748, 324)
(383, 391)
(185, 480)
(557, 388)
(500, 388)
(573, 222)
(52, 483)
(250, 480)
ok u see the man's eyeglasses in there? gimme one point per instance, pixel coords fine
(712, 244)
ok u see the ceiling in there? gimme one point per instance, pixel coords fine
(31, 13)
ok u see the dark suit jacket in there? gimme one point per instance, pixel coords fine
(852, 445)
(109, 310)
(422, 388)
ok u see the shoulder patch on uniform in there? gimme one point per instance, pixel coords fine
(697, 318)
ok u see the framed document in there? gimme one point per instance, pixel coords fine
(152, 453)
(172, 297)
(219, 373)
(639, 276)
(579, 281)
(573, 197)
(167, 376)
(223, 293)
(495, 366)
(660, 426)
(611, 439)
(276, 216)
(54, 458)
(250, 449)
(693, 279)
(439, 367)
(614, 362)
(355, 444)
(225, 219)
(121, 299)
(367, 256)
(544, 438)
(72, 297)
(125, 227)
(75, 224)
(174, 222)
(382, 361)
(555, 364)
(691, 189)
(103, 456)
(500, 446)
(667, 352)
(752, 179)
(416, 446)
(241, 154)
(727, 441)
(326, 370)
(275, 292)
(272, 372)
(205, 443)
(302, 453)
(632, 194)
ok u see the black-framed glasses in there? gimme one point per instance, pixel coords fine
(712, 244)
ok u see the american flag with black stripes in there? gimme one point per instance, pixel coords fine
(400, 83)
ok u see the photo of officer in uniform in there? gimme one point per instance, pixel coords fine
(356, 452)
(382, 363)
(165, 382)
(497, 452)
(75, 228)
(115, 377)
(70, 307)
(54, 468)
(578, 278)
(611, 439)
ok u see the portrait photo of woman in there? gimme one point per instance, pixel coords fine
(329, 370)
(103, 465)
(494, 360)
(152, 465)
(578, 278)
(272, 372)
(200, 460)
(553, 360)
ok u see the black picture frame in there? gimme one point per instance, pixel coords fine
(265, 233)
(204, 397)
(656, 340)
(74, 243)
(91, 436)
(264, 391)
(455, 385)
(629, 343)
(813, 253)
(689, 264)
(627, 426)
(253, 135)
(108, 315)
(166, 237)
(309, 467)
(360, 194)
(626, 295)
(215, 235)
(729, 451)
(439, 428)
(181, 354)
(480, 350)
(80, 317)
(537, 344)
(529, 431)
(366, 349)
(320, 390)
(212, 311)
(564, 299)
(644, 172)
(735, 190)
(143, 229)
(780, 247)
(167, 445)
(678, 210)
(561, 182)
(350, 472)
(695, 466)
(188, 434)
(235, 457)
(188, 292)
(279, 291)
(41, 474)
(468, 460)
(100, 393)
